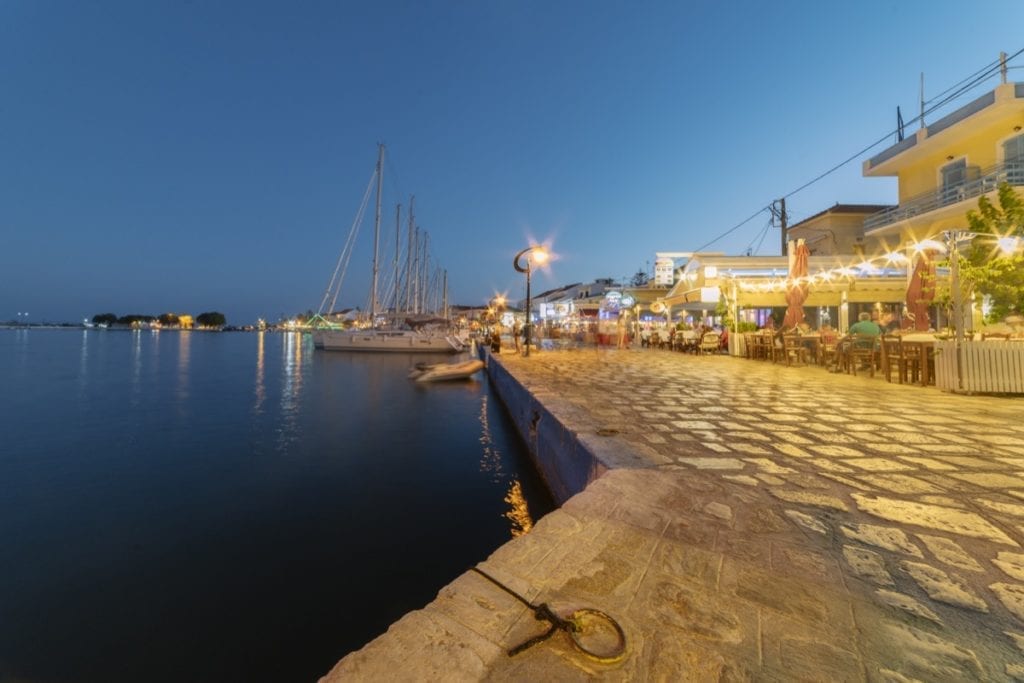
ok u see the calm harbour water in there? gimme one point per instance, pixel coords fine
(235, 506)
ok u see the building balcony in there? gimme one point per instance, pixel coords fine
(979, 182)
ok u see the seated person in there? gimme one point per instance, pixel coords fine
(865, 325)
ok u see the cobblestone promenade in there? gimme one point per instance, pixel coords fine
(774, 523)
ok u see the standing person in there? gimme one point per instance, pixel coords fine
(516, 331)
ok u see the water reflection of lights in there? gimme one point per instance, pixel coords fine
(136, 365)
(519, 512)
(261, 390)
(291, 367)
(83, 363)
(491, 460)
(184, 352)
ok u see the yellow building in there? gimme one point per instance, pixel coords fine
(947, 165)
(185, 321)
(838, 231)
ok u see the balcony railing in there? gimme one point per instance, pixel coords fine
(979, 181)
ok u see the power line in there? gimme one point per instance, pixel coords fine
(958, 89)
(733, 228)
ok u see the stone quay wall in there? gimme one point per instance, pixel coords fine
(741, 521)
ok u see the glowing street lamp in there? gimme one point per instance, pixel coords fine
(533, 254)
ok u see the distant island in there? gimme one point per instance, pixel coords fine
(211, 320)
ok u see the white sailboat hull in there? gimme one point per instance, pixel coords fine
(397, 341)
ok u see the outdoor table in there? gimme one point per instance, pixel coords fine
(813, 342)
(923, 347)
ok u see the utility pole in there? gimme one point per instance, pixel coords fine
(922, 102)
(778, 210)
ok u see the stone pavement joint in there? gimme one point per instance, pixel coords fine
(748, 521)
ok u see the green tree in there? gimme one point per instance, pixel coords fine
(211, 319)
(169, 319)
(104, 319)
(639, 279)
(984, 267)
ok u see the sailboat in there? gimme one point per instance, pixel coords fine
(410, 331)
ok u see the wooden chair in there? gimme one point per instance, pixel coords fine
(863, 350)
(794, 349)
(709, 343)
(828, 351)
(893, 357)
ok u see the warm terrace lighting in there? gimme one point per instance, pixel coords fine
(929, 244)
(896, 257)
(1008, 245)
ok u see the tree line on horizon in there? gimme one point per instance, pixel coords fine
(207, 319)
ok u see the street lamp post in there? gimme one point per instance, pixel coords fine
(533, 253)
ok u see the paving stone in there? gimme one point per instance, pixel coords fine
(1012, 597)
(836, 451)
(943, 587)
(907, 604)
(719, 510)
(1012, 564)
(949, 552)
(741, 479)
(712, 463)
(867, 565)
(829, 465)
(805, 521)
(899, 483)
(769, 479)
(991, 480)
(887, 538)
(1005, 508)
(933, 517)
(880, 465)
(807, 498)
(1017, 638)
(894, 449)
(929, 463)
(769, 466)
(693, 424)
(930, 658)
(847, 481)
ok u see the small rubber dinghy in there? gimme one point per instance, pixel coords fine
(441, 372)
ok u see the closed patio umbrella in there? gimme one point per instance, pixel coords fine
(921, 290)
(796, 293)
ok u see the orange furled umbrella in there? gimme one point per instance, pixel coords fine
(921, 290)
(796, 292)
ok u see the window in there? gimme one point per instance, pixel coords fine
(953, 177)
(1013, 158)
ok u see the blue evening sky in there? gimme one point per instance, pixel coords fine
(194, 156)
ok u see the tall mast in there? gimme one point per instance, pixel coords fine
(398, 245)
(416, 271)
(445, 297)
(424, 272)
(408, 259)
(376, 233)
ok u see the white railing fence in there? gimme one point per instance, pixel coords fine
(988, 367)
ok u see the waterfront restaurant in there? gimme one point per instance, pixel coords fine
(753, 287)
